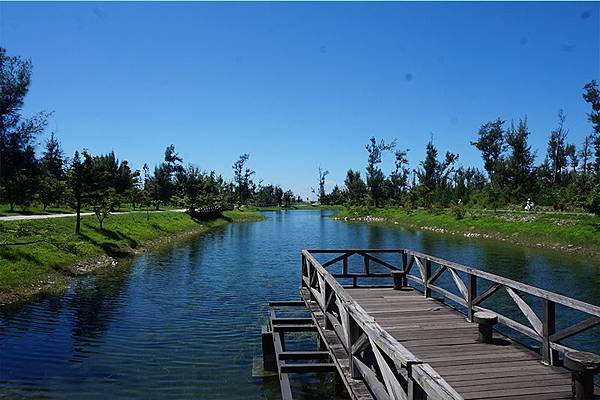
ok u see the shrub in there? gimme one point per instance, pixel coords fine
(593, 202)
(458, 210)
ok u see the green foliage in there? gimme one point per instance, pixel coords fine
(243, 180)
(37, 254)
(555, 230)
(593, 201)
(433, 176)
(458, 210)
(375, 176)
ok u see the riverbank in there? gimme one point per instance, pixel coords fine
(41, 256)
(565, 232)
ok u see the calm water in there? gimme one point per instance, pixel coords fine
(185, 322)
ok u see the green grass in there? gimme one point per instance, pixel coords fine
(579, 233)
(38, 255)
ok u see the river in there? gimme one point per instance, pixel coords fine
(184, 322)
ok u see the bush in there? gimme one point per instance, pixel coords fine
(458, 210)
(593, 202)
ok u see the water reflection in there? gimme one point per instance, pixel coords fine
(184, 321)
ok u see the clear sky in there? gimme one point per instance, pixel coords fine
(299, 85)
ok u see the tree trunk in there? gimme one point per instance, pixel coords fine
(78, 218)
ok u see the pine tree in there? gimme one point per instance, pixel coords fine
(520, 160)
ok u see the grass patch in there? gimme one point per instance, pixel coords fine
(566, 231)
(39, 255)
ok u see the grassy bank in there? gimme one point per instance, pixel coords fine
(40, 255)
(569, 232)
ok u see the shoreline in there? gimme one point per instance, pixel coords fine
(57, 280)
(544, 233)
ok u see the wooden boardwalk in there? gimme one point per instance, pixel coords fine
(441, 337)
(396, 341)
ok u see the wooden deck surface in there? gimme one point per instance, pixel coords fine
(441, 336)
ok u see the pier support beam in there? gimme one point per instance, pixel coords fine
(268, 348)
(583, 366)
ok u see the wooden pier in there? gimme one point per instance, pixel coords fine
(425, 328)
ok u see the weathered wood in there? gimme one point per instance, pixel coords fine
(462, 288)
(542, 293)
(406, 332)
(485, 322)
(337, 259)
(307, 367)
(549, 356)
(583, 367)
(486, 293)
(526, 310)
(287, 303)
(471, 295)
(575, 329)
(268, 350)
(304, 355)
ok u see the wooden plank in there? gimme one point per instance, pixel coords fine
(575, 329)
(300, 368)
(462, 288)
(303, 355)
(287, 303)
(527, 311)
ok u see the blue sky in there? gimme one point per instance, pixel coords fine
(299, 85)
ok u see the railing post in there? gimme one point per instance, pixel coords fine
(415, 391)
(366, 261)
(471, 294)
(549, 356)
(404, 261)
(304, 270)
(426, 289)
(352, 335)
(345, 265)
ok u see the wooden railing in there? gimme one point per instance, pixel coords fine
(387, 366)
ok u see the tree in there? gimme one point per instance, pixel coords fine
(19, 168)
(433, 175)
(592, 96)
(52, 186)
(399, 176)
(160, 185)
(242, 177)
(78, 178)
(586, 154)
(336, 196)
(321, 194)
(375, 177)
(288, 198)
(356, 188)
(556, 149)
(191, 180)
(520, 160)
(490, 144)
(572, 157)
